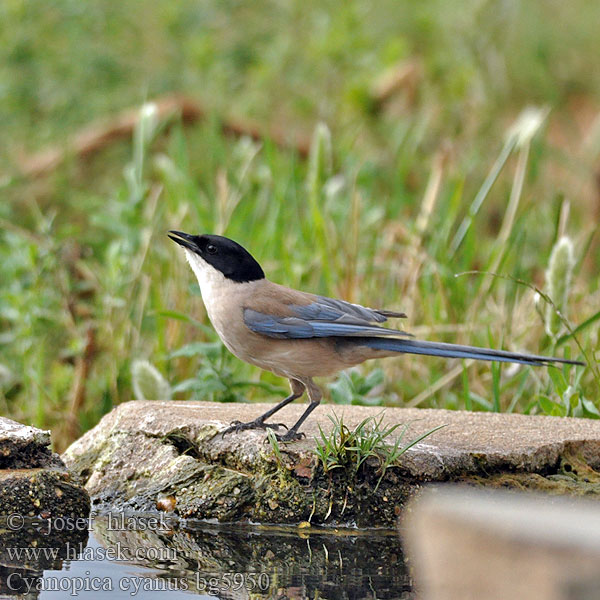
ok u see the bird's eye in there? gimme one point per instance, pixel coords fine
(211, 249)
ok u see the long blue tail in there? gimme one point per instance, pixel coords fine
(458, 351)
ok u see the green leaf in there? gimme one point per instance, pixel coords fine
(549, 407)
(172, 314)
(590, 410)
(558, 379)
(186, 385)
(567, 336)
(372, 380)
(209, 349)
(483, 403)
(341, 389)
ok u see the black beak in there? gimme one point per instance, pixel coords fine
(184, 239)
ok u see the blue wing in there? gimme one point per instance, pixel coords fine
(329, 309)
(323, 318)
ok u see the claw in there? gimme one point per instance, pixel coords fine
(277, 425)
(290, 436)
(237, 426)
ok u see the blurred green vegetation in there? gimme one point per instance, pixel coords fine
(89, 283)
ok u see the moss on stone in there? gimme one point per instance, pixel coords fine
(571, 476)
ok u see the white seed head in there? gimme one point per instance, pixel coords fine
(527, 124)
(148, 383)
(558, 282)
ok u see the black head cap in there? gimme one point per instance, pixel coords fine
(225, 255)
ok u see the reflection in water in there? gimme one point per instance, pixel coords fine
(235, 561)
(270, 562)
(28, 547)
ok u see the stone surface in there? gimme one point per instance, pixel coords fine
(33, 480)
(168, 455)
(23, 447)
(467, 543)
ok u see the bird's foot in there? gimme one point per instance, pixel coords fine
(237, 426)
(290, 436)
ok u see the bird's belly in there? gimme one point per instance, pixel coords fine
(287, 358)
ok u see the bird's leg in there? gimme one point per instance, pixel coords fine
(259, 422)
(314, 395)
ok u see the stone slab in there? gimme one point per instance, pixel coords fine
(467, 543)
(508, 441)
(169, 454)
(22, 446)
(34, 481)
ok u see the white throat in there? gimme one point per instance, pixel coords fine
(211, 281)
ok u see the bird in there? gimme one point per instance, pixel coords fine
(299, 335)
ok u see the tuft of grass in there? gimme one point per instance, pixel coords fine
(276, 449)
(346, 449)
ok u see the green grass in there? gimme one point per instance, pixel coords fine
(388, 208)
(348, 449)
